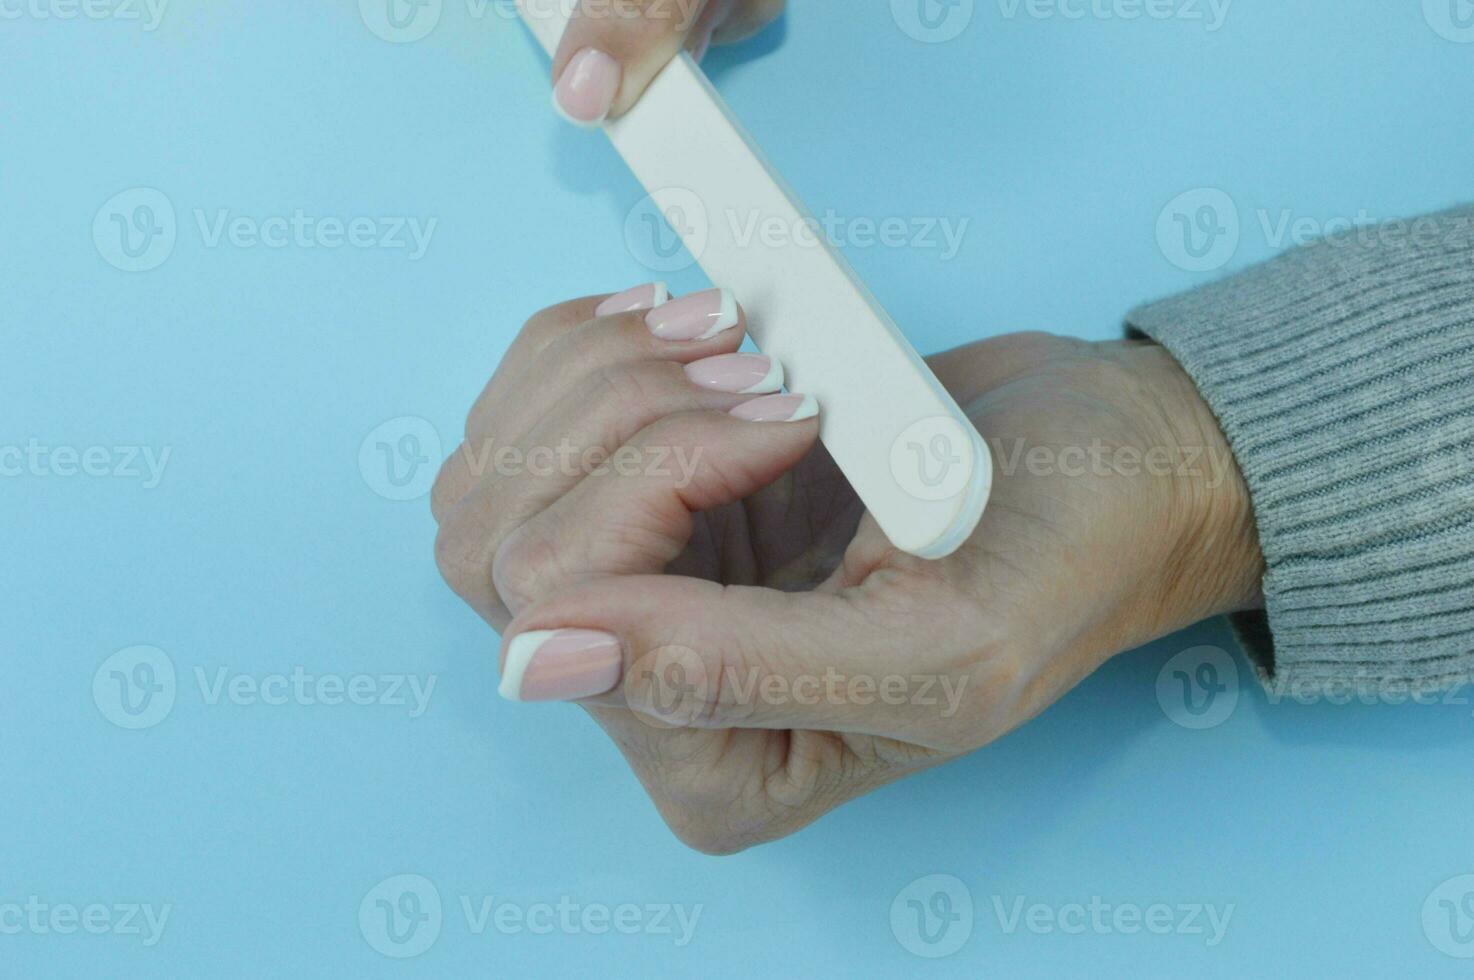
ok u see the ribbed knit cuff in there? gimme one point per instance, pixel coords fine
(1342, 374)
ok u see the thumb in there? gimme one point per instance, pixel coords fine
(613, 49)
(878, 659)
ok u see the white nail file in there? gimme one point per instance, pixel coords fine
(911, 454)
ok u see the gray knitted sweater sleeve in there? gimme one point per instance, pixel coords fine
(1342, 374)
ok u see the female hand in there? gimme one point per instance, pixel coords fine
(710, 589)
(614, 48)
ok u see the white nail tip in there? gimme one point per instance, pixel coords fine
(519, 655)
(771, 384)
(580, 123)
(659, 296)
(807, 409)
(726, 316)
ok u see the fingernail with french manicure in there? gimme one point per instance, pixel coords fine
(699, 316)
(778, 408)
(645, 297)
(740, 374)
(560, 665)
(585, 91)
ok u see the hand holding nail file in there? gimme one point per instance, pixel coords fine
(911, 454)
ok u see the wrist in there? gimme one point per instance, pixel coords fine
(1216, 565)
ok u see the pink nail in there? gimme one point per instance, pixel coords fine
(560, 665)
(778, 408)
(645, 297)
(741, 374)
(585, 91)
(699, 316)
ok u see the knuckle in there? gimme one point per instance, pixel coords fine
(456, 558)
(583, 346)
(546, 325)
(440, 494)
(633, 390)
(478, 419)
(522, 562)
(448, 483)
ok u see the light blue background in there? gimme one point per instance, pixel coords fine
(266, 546)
